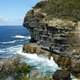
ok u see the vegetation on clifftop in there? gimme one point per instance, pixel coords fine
(44, 20)
(68, 9)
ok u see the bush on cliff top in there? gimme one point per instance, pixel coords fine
(61, 8)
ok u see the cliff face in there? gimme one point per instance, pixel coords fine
(54, 25)
(49, 31)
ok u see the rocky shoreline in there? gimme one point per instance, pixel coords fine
(65, 62)
(55, 37)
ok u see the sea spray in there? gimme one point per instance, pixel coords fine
(43, 64)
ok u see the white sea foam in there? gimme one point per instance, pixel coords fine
(9, 42)
(21, 37)
(41, 63)
(1, 51)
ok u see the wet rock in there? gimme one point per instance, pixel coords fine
(61, 75)
(75, 68)
(34, 73)
(64, 62)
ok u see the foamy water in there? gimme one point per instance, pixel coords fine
(21, 37)
(43, 64)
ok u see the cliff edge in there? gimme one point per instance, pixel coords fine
(55, 26)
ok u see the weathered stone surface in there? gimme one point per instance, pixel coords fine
(61, 75)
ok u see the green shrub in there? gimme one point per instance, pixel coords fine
(15, 68)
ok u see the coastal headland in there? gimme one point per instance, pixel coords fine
(55, 28)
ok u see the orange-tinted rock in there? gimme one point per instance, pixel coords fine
(31, 48)
(64, 62)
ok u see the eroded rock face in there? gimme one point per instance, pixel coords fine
(59, 36)
(52, 33)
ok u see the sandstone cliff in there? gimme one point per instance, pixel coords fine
(54, 25)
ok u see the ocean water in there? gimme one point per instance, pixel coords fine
(12, 39)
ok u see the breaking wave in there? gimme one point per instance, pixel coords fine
(21, 37)
(9, 42)
(43, 64)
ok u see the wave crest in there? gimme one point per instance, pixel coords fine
(9, 42)
(21, 37)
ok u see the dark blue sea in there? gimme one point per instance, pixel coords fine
(12, 39)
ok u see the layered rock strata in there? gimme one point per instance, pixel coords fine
(57, 35)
